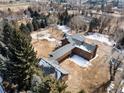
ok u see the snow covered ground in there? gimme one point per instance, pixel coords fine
(80, 61)
(42, 35)
(64, 28)
(101, 38)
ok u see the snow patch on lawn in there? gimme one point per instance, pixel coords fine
(80, 61)
(42, 35)
(63, 28)
(101, 38)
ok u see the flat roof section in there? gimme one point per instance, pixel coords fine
(61, 51)
(78, 37)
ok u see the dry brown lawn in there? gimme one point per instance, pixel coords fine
(43, 47)
(91, 77)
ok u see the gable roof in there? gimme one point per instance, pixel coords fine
(78, 37)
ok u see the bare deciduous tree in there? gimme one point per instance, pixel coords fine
(104, 21)
(114, 65)
(77, 23)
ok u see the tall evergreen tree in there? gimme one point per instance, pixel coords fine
(93, 24)
(63, 18)
(50, 85)
(30, 26)
(7, 31)
(2, 64)
(35, 24)
(31, 11)
(24, 28)
(22, 57)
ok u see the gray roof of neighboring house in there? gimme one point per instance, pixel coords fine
(89, 47)
(61, 51)
(72, 38)
(78, 37)
(65, 49)
(54, 64)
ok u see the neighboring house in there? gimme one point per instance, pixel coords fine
(74, 45)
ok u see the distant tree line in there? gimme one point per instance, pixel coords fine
(64, 18)
(38, 20)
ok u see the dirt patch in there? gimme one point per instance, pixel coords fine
(43, 47)
(56, 33)
(48, 39)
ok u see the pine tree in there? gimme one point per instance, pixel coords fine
(50, 85)
(35, 24)
(30, 26)
(42, 23)
(63, 18)
(2, 64)
(93, 24)
(24, 28)
(7, 31)
(22, 57)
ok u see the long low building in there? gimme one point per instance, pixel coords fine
(74, 45)
(71, 45)
(62, 52)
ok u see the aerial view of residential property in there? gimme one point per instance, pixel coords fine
(61, 46)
